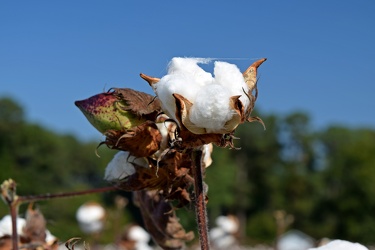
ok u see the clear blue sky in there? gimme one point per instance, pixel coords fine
(320, 53)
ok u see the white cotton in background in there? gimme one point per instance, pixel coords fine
(90, 217)
(50, 238)
(122, 166)
(137, 233)
(341, 245)
(6, 225)
(210, 95)
(228, 224)
(140, 236)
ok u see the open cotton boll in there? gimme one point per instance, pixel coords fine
(6, 225)
(211, 107)
(188, 67)
(122, 166)
(230, 76)
(90, 217)
(341, 245)
(184, 77)
(209, 99)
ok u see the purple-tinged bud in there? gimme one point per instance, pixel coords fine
(107, 111)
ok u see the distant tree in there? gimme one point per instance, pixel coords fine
(348, 203)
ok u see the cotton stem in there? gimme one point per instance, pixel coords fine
(200, 201)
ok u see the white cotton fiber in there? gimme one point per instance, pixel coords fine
(90, 217)
(341, 245)
(210, 95)
(230, 76)
(6, 225)
(211, 107)
(122, 166)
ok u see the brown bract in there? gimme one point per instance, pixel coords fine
(161, 221)
(139, 103)
(141, 141)
(171, 176)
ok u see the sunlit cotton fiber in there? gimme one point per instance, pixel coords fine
(122, 166)
(341, 245)
(209, 94)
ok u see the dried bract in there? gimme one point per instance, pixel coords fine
(161, 221)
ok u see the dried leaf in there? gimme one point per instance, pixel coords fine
(35, 228)
(141, 141)
(170, 175)
(139, 103)
(161, 221)
(250, 74)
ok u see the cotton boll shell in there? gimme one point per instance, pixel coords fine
(122, 166)
(91, 217)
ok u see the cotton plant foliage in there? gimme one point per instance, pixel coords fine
(156, 135)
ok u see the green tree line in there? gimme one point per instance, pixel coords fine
(323, 178)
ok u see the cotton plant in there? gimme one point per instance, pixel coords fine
(31, 230)
(165, 141)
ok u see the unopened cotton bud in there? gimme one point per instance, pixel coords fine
(104, 111)
(119, 109)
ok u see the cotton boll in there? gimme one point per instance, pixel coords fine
(231, 77)
(6, 225)
(122, 166)
(184, 77)
(188, 67)
(90, 217)
(211, 108)
(341, 245)
(137, 233)
(227, 223)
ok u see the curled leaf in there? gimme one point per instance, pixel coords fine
(161, 221)
(141, 141)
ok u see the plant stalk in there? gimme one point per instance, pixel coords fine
(200, 199)
(13, 207)
(33, 198)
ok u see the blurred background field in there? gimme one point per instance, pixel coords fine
(289, 176)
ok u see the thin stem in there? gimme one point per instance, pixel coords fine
(13, 207)
(33, 198)
(200, 199)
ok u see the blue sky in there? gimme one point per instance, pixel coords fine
(320, 53)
